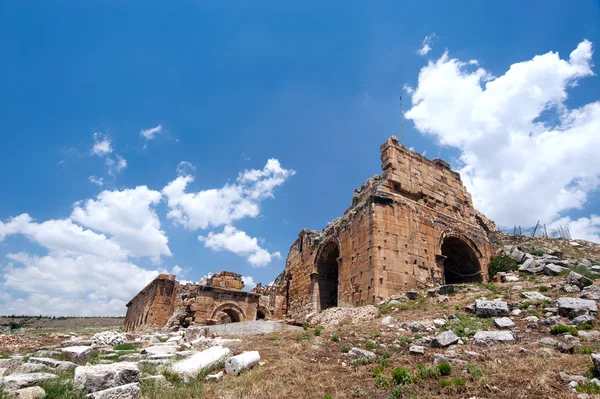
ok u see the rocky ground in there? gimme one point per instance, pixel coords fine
(531, 333)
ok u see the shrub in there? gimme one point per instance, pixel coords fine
(585, 326)
(335, 337)
(125, 347)
(318, 330)
(345, 348)
(501, 263)
(543, 288)
(424, 372)
(561, 329)
(382, 382)
(370, 345)
(401, 376)
(457, 382)
(303, 337)
(444, 368)
(474, 371)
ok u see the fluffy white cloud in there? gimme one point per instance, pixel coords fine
(582, 228)
(426, 45)
(128, 217)
(97, 181)
(520, 164)
(249, 283)
(240, 243)
(101, 145)
(222, 206)
(149, 134)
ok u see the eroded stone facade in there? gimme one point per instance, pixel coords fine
(218, 299)
(413, 226)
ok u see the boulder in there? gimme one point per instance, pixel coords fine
(573, 307)
(79, 354)
(110, 338)
(18, 381)
(503, 322)
(584, 319)
(208, 359)
(531, 266)
(570, 289)
(552, 270)
(549, 341)
(485, 308)
(517, 255)
(534, 296)
(578, 280)
(493, 337)
(445, 339)
(127, 391)
(29, 393)
(358, 353)
(105, 376)
(591, 292)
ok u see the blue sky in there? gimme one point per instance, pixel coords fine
(313, 85)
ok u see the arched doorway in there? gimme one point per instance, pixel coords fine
(460, 264)
(328, 276)
(228, 313)
(262, 313)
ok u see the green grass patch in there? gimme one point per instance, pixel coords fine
(425, 372)
(361, 361)
(125, 347)
(327, 396)
(588, 387)
(467, 325)
(61, 388)
(543, 288)
(370, 345)
(501, 263)
(452, 382)
(318, 331)
(584, 271)
(585, 326)
(418, 304)
(444, 368)
(537, 252)
(306, 336)
(474, 371)
(194, 388)
(561, 329)
(402, 376)
(335, 337)
(382, 382)
(273, 337)
(345, 348)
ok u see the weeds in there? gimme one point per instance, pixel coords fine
(474, 371)
(318, 330)
(561, 329)
(125, 347)
(425, 372)
(370, 345)
(306, 336)
(61, 388)
(361, 361)
(501, 263)
(402, 376)
(543, 288)
(457, 382)
(345, 348)
(588, 387)
(382, 382)
(335, 337)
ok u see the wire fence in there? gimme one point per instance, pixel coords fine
(541, 230)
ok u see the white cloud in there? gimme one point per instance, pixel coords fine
(149, 134)
(128, 217)
(97, 181)
(101, 145)
(426, 45)
(115, 165)
(519, 165)
(249, 283)
(185, 168)
(238, 242)
(222, 206)
(582, 228)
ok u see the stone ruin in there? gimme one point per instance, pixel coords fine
(412, 226)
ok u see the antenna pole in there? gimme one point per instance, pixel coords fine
(402, 120)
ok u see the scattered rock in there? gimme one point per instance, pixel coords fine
(105, 376)
(127, 391)
(570, 289)
(568, 378)
(79, 354)
(358, 353)
(444, 339)
(412, 295)
(10, 364)
(596, 361)
(387, 320)
(485, 308)
(549, 341)
(584, 319)
(573, 307)
(159, 350)
(517, 255)
(578, 280)
(417, 350)
(208, 359)
(29, 393)
(552, 270)
(503, 322)
(110, 338)
(493, 337)
(18, 381)
(534, 296)
(591, 292)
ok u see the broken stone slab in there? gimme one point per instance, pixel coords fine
(208, 359)
(110, 338)
(552, 270)
(493, 337)
(517, 255)
(76, 342)
(133, 357)
(32, 368)
(445, 339)
(417, 350)
(570, 289)
(236, 364)
(591, 292)
(127, 391)
(485, 308)
(549, 341)
(534, 296)
(358, 353)
(79, 354)
(105, 376)
(29, 393)
(530, 266)
(214, 377)
(233, 344)
(158, 350)
(584, 319)
(577, 279)
(573, 307)
(59, 365)
(11, 364)
(503, 322)
(18, 381)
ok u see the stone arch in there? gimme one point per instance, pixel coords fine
(228, 313)
(326, 269)
(262, 313)
(460, 259)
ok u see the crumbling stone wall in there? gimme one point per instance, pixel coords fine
(167, 303)
(412, 226)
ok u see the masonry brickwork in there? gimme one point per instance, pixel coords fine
(412, 226)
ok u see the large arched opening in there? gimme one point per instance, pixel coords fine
(228, 313)
(262, 313)
(328, 276)
(460, 264)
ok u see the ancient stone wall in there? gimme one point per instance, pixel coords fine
(153, 306)
(226, 279)
(412, 226)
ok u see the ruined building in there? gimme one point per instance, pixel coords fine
(412, 226)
